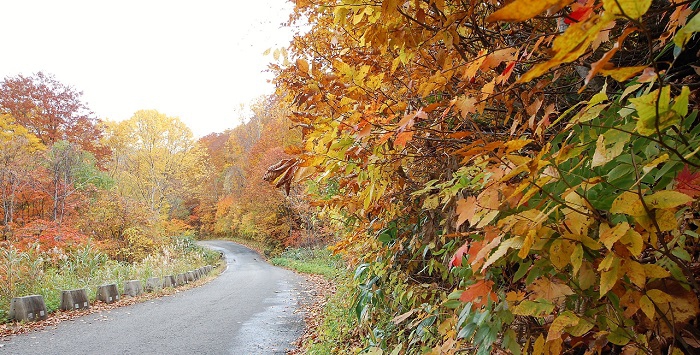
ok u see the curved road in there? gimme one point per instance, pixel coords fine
(249, 309)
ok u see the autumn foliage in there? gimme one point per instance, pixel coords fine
(62, 187)
(239, 201)
(514, 176)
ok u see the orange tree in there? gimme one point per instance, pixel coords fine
(520, 176)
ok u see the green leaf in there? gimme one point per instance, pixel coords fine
(581, 328)
(680, 106)
(609, 146)
(683, 35)
(522, 270)
(647, 107)
(619, 336)
(510, 342)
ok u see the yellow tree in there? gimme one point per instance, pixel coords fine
(156, 160)
(18, 150)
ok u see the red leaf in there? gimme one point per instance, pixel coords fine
(688, 182)
(457, 258)
(577, 15)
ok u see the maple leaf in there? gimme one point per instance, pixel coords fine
(465, 210)
(457, 257)
(479, 293)
(688, 182)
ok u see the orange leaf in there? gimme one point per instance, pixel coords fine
(403, 138)
(479, 293)
(496, 58)
(465, 210)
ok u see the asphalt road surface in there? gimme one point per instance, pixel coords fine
(248, 309)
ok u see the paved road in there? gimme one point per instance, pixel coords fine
(249, 309)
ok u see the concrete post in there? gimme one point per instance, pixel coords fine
(74, 299)
(133, 288)
(28, 308)
(169, 281)
(108, 293)
(153, 284)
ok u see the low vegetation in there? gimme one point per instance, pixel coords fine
(48, 272)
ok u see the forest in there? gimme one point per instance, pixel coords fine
(503, 176)
(499, 176)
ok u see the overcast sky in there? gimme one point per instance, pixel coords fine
(197, 60)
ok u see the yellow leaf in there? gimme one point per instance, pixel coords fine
(659, 296)
(516, 144)
(537, 308)
(551, 291)
(647, 307)
(635, 272)
(616, 140)
(577, 258)
(303, 65)
(633, 241)
(608, 236)
(486, 218)
(652, 164)
(653, 271)
(465, 105)
(569, 46)
(622, 74)
(609, 278)
(527, 244)
(667, 199)
(566, 319)
(628, 203)
(475, 65)
(581, 328)
(627, 8)
(607, 262)
(666, 219)
(538, 347)
(586, 277)
(522, 10)
(560, 253)
(648, 106)
(502, 250)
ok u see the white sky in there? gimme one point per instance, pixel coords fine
(198, 60)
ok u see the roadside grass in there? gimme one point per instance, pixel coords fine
(336, 333)
(316, 261)
(47, 273)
